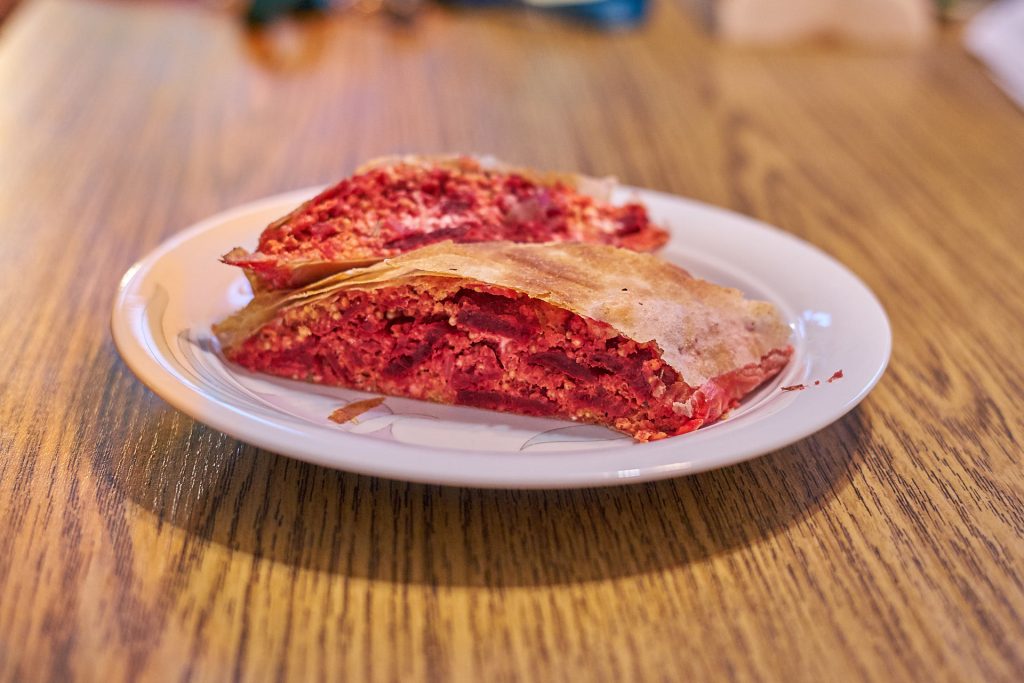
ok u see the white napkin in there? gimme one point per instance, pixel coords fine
(996, 36)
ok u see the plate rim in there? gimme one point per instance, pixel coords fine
(224, 418)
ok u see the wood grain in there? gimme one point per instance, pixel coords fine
(137, 544)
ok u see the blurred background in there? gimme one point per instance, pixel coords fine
(543, 79)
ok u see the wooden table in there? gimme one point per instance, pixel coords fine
(137, 544)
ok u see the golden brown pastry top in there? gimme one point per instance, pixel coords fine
(703, 330)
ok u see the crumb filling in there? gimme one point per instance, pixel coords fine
(490, 347)
(388, 211)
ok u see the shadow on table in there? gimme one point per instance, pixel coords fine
(309, 517)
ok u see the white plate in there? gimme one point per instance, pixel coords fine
(167, 302)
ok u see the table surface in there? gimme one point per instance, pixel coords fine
(138, 544)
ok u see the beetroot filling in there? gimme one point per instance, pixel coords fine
(391, 210)
(489, 347)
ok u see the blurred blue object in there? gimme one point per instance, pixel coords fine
(600, 13)
(603, 13)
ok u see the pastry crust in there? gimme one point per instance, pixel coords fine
(703, 330)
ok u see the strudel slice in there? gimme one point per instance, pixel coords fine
(584, 332)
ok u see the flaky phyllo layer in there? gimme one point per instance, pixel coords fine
(396, 205)
(489, 326)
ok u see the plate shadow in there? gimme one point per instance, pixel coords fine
(223, 492)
